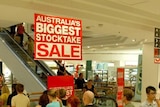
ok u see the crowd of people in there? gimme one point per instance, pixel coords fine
(53, 99)
(57, 97)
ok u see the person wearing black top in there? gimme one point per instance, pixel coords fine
(79, 82)
(89, 86)
(62, 96)
(11, 95)
(61, 69)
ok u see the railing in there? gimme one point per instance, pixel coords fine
(53, 60)
(34, 97)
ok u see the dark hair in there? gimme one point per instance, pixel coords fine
(14, 87)
(44, 100)
(149, 88)
(19, 88)
(62, 93)
(45, 92)
(74, 101)
(128, 93)
(80, 74)
(159, 85)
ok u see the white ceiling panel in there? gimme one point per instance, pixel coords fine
(107, 24)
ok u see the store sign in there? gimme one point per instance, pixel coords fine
(65, 82)
(120, 84)
(57, 37)
(157, 46)
(157, 60)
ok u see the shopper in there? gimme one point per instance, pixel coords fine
(29, 44)
(151, 96)
(14, 92)
(20, 100)
(43, 100)
(62, 96)
(61, 69)
(73, 101)
(97, 81)
(13, 30)
(20, 31)
(127, 97)
(54, 101)
(80, 82)
(89, 86)
(88, 98)
(4, 95)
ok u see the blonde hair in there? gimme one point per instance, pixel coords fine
(5, 89)
(52, 92)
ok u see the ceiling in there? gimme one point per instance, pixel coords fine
(108, 25)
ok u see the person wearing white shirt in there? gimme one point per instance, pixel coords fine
(151, 98)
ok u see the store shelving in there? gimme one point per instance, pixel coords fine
(130, 76)
(103, 74)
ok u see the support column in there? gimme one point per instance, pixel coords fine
(149, 70)
(89, 71)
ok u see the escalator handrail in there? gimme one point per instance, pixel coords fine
(42, 65)
(54, 60)
(61, 66)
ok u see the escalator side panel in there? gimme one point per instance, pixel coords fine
(22, 73)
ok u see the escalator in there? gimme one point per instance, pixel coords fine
(23, 66)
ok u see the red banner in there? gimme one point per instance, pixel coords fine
(58, 82)
(57, 38)
(120, 84)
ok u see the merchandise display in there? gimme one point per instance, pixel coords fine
(130, 76)
(103, 74)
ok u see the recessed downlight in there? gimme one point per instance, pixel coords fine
(88, 46)
(102, 45)
(133, 40)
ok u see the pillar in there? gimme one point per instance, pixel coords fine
(150, 72)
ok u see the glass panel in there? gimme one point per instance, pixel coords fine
(38, 68)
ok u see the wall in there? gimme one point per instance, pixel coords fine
(149, 70)
(117, 58)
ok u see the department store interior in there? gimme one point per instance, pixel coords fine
(116, 34)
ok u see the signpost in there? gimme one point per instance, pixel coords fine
(157, 46)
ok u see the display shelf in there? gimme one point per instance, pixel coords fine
(103, 74)
(130, 76)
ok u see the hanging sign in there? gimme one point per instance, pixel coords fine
(57, 38)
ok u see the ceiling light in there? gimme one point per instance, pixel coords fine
(133, 40)
(117, 44)
(101, 45)
(88, 46)
(145, 40)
